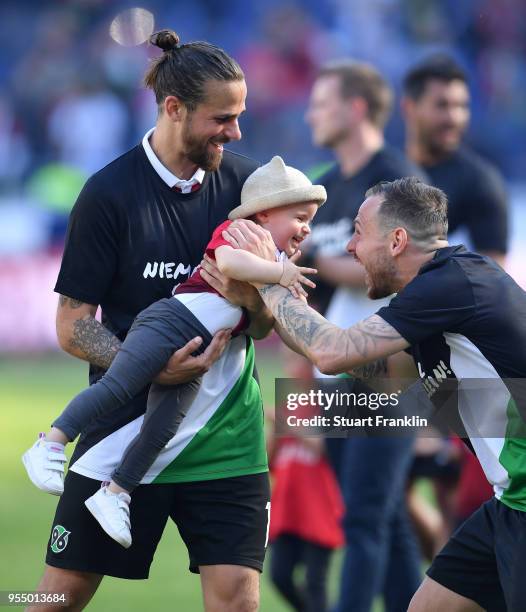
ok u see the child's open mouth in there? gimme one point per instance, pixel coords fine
(296, 241)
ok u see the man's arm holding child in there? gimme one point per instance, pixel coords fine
(252, 239)
(81, 335)
(332, 349)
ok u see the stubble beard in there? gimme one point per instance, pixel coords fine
(332, 139)
(199, 152)
(382, 278)
(435, 148)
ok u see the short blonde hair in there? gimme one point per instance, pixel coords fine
(362, 80)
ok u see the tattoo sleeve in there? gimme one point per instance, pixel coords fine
(67, 301)
(97, 343)
(87, 338)
(331, 348)
(371, 370)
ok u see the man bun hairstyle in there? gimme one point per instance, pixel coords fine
(413, 205)
(439, 67)
(167, 40)
(184, 69)
(362, 80)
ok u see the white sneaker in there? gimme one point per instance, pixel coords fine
(44, 463)
(112, 511)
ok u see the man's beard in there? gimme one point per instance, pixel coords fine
(382, 278)
(332, 139)
(436, 147)
(200, 153)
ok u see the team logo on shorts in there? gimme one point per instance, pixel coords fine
(59, 538)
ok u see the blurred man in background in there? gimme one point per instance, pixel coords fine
(436, 107)
(349, 106)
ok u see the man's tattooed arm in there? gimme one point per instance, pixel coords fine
(376, 369)
(81, 335)
(98, 345)
(63, 300)
(330, 348)
(286, 338)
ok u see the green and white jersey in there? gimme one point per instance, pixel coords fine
(465, 319)
(221, 436)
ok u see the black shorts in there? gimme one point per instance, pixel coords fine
(485, 558)
(222, 521)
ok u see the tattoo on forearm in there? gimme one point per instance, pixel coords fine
(302, 324)
(371, 370)
(72, 303)
(315, 335)
(97, 343)
(366, 335)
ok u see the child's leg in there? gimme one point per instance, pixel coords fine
(141, 357)
(157, 332)
(316, 560)
(286, 552)
(166, 408)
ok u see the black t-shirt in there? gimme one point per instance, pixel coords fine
(462, 308)
(332, 225)
(465, 319)
(477, 199)
(131, 240)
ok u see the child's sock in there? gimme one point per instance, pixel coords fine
(114, 488)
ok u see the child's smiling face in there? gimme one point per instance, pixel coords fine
(289, 225)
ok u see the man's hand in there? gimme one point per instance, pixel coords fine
(182, 367)
(251, 237)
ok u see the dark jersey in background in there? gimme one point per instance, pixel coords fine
(477, 201)
(332, 225)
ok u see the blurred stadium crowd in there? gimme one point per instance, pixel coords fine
(71, 100)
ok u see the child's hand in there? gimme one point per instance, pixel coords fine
(293, 278)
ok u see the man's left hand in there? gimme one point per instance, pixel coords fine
(251, 237)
